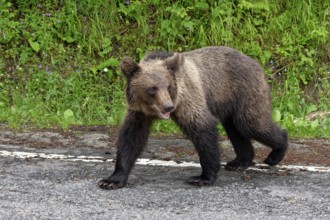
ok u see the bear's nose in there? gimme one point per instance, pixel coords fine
(168, 107)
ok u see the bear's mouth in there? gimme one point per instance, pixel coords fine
(161, 115)
(164, 116)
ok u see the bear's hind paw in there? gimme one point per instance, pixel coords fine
(200, 181)
(237, 165)
(110, 185)
(275, 156)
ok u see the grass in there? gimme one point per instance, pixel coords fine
(59, 59)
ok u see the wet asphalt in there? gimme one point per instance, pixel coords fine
(39, 188)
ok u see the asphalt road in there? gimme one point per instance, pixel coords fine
(60, 183)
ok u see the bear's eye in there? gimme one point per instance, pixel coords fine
(169, 87)
(152, 90)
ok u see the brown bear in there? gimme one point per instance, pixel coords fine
(197, 89)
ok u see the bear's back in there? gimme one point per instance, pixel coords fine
(210, 59)
(225, 66)
(227, 76)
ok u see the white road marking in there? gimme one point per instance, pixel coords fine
(151, 162)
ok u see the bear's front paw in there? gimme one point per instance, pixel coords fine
(111, 183)
(200, 181)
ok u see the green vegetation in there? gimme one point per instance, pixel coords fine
(59, 59)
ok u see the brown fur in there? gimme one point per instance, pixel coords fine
(197, 89)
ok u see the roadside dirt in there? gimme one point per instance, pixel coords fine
(165, 147)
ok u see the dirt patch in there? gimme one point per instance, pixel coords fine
(165, 147)
(302, 155)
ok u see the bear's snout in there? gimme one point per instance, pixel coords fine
(164, 111)
(168, 107)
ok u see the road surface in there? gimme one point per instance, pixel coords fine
(48, 181)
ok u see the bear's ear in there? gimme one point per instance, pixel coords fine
(173, 63)
(129, 67)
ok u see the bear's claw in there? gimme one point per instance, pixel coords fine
(110, 185)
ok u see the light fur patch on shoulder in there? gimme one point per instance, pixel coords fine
(192, 106)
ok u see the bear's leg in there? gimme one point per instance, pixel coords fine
(277, 139)
(132, 139)
(242, 146)
(205, 140)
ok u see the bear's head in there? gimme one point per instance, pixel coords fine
(151, 85)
